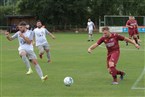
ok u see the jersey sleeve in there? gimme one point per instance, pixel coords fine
(128, 23)
(93, 24)
(31, 35)
(46, 31)
(100, 41)
(15, 35)
(120, 37)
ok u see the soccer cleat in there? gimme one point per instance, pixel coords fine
(92, 40)
(88, 40)
(122, 76)
(40, 56)
(44, 78)
(115, 83)
(29, 71)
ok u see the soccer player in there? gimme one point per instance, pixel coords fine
(90, 28)
(111, 41)
(41, 41)
(132, 29)
(25, 49)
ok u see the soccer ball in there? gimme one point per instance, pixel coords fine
(68, 81)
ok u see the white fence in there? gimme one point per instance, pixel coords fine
(122, 29)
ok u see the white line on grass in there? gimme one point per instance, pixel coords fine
(137, 88)
(139, 78)
(137, 81)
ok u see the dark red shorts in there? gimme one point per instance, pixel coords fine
(136, 31)
(113, 57)
(131, 33)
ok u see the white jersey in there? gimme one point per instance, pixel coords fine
(40, 36)
(22, 43)
(90, 25)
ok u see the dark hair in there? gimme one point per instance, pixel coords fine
(22, 23)
(39, 21)
(105, 28)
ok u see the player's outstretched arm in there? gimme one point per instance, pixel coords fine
(132, 42)
(53, 37)
(8, 36)
(92, 47)
(129, 26)
(95, 29)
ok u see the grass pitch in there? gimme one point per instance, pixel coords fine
(70, 58)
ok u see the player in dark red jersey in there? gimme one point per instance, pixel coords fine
(132, 29)
(111, 41)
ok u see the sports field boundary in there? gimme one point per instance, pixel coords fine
(134, 86)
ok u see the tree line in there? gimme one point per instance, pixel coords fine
(74, 12)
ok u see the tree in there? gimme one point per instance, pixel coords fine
(99, 8)
(75, 12)
(7, 7)
(58, 12)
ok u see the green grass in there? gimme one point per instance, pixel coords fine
(70, 58)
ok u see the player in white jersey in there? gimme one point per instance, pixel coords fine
(41, 41)
(90, 28)
(25, 49)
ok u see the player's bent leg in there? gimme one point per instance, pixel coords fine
(41, 51)
(90, 34)
(113, 60)
(39, 70)
(122, 75)
(44, 78)
(136, 39)
(30, 71)
(26, 61)
(34, 61)
(48, 55)
(92, 37)
(89, 38)
(113, 72)
(112, 69)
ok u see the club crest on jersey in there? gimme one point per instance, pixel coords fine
(110, 44)
(111, 39)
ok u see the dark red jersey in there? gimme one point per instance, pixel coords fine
(112, 43)
(132, 23)
(133, 29)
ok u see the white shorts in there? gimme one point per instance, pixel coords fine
(43, 47)
(90, 32)
(29, 53)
